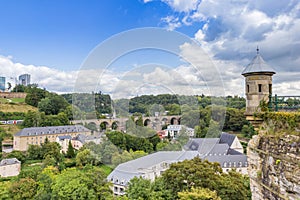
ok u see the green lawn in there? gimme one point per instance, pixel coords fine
(106, 169)
(18, 100)
(13, 100)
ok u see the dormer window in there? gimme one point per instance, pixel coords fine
(240, 164)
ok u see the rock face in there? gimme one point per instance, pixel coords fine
(274, 167)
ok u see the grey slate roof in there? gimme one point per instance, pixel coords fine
(234, 152)
(48, 130)
(9, 161)
(258, 65)
(83, 138)
(211, 149)
(202, 145)
(219, 149)
(128, 170)
(227, 138)
(63, 137)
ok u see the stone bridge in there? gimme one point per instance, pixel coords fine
(120, 123)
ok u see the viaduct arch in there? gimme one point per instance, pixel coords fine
(120, 123)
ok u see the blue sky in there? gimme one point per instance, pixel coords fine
(52, 38)
(60, 34)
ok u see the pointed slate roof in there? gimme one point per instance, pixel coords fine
(227, 138)
(258, 65)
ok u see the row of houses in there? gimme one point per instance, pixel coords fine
(76, 134)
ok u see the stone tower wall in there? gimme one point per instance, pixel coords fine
(258, 88)
(9, 95)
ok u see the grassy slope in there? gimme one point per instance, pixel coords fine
(16, 107)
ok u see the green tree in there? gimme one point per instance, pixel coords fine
(4, 190)
(139, 121)
(25, 188)
(52, 149)
(184, 175)
(198, 194)
(49, 161)
(70, 151)
(88, 183)
(139, 188)
(144, 189)
(17, 154)
(45, 180)
(84, 157)
(30, 172)
(45, 106)
(34, 152)
(72, 184)
(34, 95)
(52, 104)
(118, 158)
(32, 119)
(19, 88)
(248, 131)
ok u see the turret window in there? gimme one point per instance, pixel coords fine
(248, 88)
(259, 88)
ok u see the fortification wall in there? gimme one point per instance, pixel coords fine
(9, 95)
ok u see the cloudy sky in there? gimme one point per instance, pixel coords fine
(204, 45)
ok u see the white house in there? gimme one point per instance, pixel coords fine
(174, 130)
(10, 167)
(224, 150)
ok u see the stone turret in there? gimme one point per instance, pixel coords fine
(258, 77)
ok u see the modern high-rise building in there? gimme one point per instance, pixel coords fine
(2, 83)
(24, 79)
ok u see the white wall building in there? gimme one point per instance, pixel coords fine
(174, 130)
(224, 150)
(10, 167)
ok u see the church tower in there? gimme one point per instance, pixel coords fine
(258, 78)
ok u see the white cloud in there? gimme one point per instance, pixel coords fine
(173, 22)
(182, 5)
(231, 30)
(51, 79)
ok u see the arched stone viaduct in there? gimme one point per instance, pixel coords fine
(120, 123)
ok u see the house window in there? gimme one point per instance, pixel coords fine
(259, 87)
(115, 189)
